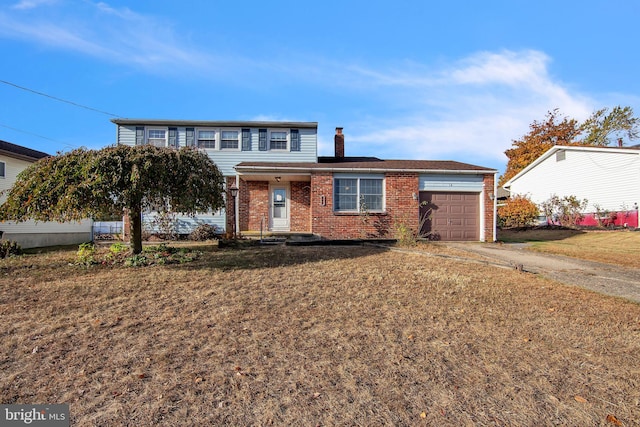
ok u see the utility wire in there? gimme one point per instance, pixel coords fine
(58, 99)
(35, 134)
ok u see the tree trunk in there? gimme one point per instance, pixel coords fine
(135, 224)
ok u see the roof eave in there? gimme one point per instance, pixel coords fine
(215, 123)
(362, 169)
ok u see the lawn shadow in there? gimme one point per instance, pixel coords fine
(536, 234)
(260, 257)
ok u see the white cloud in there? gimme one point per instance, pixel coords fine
(31, 4)
(111, 34)
(468, 111)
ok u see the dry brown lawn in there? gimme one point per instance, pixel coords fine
(619, 247)
(315, 336)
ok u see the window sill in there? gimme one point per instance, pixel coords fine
(354, 213)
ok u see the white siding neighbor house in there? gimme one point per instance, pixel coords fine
(31, 234)
(608, 177)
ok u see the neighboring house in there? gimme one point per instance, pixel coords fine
(285, 187)
(30, 234)
(608, 177)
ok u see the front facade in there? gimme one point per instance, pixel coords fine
(284, 187)
(608, 177)
(29, 234)
(227, 144)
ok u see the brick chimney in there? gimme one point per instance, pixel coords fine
(620, 142)
(339, 143)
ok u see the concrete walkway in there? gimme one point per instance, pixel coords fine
(604, 278)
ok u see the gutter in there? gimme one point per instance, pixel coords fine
(365, 170)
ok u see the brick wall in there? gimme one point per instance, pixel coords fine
(488, 207)
(254, 205)
(400, 206)
(300, 210)
(312, 208)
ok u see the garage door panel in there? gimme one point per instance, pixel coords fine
(454, 216)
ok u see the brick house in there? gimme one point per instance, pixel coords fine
(365, 197)
(283, 186)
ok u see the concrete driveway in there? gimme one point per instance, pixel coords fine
(604, 278)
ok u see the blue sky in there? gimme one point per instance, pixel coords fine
(456, 80)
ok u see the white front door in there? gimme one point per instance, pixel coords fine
(279, 207)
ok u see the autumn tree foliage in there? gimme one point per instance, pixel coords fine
(602, 128)
(91, 183)
(518, 211)
(605, 128)
(554, 130)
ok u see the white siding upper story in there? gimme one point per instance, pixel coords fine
(227, 143)
(31, 233)
(607, 177)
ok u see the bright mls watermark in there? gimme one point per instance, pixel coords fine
(34, 415)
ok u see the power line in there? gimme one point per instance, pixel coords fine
(35, 134)
(58, 99)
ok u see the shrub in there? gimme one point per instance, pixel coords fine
(518, 211)
(117, 248)
(566, 210)
(408, 236)
(204, 232)
(9, 248)
(86, 254)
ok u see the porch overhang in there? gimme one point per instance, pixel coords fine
(274, 176)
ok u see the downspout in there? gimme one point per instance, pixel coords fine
(495, 207)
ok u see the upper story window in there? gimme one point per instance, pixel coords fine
(278, 140)
(358, 195)
(157, 137)
(206, 138)
(2, 170)
(229, 139)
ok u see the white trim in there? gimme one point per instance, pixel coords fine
(495, 207)
(197, 131)
(287, 190)
(287, 132)
(238, 139)
(147, 138)
(276, 169)
(481, 233)
(358, 178)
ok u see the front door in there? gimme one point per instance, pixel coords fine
(279, 207)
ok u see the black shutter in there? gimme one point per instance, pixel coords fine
(191, 132)
(295, 140)
(246, 139)
(262, 140)
(173, 137)
(139, 135)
